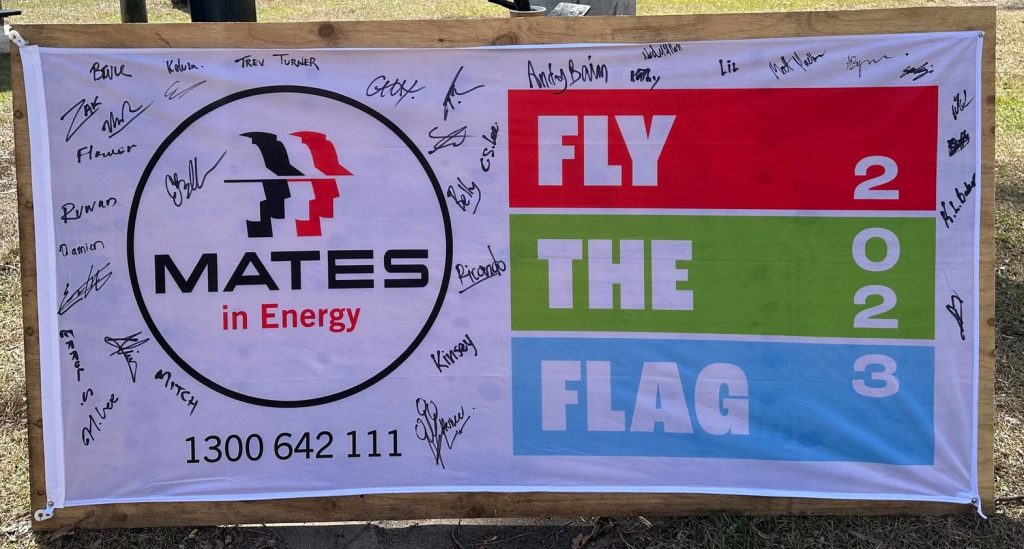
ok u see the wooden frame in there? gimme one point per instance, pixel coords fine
(479, 33)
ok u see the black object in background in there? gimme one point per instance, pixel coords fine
(134, 11)
(209, 11)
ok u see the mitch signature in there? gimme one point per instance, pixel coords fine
(95, 281)
(438, 432)
(125, 346)
(453, 92)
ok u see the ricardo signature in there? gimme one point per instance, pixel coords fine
(438, 432)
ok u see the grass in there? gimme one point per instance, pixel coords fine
(1004, 529)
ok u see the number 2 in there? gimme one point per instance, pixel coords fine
(866, 318)
(867, 190)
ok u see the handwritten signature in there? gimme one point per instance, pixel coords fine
(918, 72)
(799, 61)
(173, 183)
(125, 346)
(382, 86)
(957, 144)
(956, 310)
(83, 108)
(853, 63)
(960, 103)
(95, 281)
(116, 123)
(174, 91)
(451, 139)
(453, 92)
(466, 196)
(438, 432)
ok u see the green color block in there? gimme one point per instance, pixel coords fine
(792, 276)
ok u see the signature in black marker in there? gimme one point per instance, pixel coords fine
(479, 273)
(84, 109)
(438, 432)
(115, 124)
(382, 86)
(960, 103)
(466, 195)
(173, 183)
(853, 63)
(957, 144)
(95, 281)
(489, 150)
(174, 91)
(453, 92)
(798, 61)
(125, 346)
(956, 310)
(919, 72)
(453, 139)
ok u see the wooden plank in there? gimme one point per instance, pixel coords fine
(467, 505)
(986, 283)
(523, 30)
(498, 32)
(29, 303)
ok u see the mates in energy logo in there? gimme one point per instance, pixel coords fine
(304, 256)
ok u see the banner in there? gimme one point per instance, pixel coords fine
(728, 267)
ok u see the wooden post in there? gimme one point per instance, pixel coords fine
(134, 11)
(206, 11)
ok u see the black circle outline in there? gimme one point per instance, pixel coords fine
(133, 275)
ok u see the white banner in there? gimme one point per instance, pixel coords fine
(732, 267)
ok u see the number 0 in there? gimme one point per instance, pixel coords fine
(867, 189)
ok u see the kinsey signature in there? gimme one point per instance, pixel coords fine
(125, 346)
(438, 432)
(453, 92)
(95, 281)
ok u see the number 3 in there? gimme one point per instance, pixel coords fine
(891, 385)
